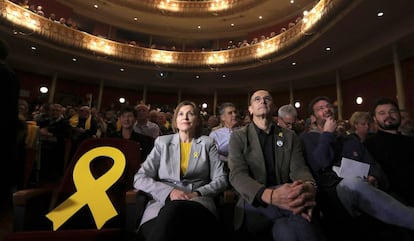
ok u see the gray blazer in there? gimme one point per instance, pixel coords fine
(247, 165)
(160, 173)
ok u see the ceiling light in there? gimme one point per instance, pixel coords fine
(197, 76)
(95, 6)
(122, 69)
(74, 59)
(260, 17)
(380, 14)
(199, 27)
(328, 48)
(232, 25)
(293, 63)
(136, 19)
(292, 1)
(224, 76)
(33, 48)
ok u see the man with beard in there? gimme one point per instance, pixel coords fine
(394, 151)
(344, 198)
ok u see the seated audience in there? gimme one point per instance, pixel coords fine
(341, 196)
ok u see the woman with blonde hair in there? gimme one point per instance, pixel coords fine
(360, 122)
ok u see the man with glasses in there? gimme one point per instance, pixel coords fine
(267, 169)
(286, 116)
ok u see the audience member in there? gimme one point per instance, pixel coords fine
(53, 130)
(39, 10)
(360, 124)
(212, 123)
(84, 126)
(395, 152)
(165, 126)
(182, 174)
(286, 116)
(267, 169)
(323, 150)
(407, 123)
(153, 116)
(228, 117)
(143, 124)
(127, 118)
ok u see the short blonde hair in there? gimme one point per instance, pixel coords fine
(358, 117)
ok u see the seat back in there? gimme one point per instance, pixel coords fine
(98, 167)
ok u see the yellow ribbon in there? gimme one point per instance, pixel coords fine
(91, 191)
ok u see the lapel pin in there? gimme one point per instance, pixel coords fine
(279, 143)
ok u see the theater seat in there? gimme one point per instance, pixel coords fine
(111, 163)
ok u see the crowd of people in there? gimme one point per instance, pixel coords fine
(285, 172)
(231, 44)
(290, 177)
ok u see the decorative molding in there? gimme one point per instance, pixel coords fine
(270, 50)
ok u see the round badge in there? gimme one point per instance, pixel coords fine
(279, 143)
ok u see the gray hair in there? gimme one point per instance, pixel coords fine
(224, 106)
(287, 110)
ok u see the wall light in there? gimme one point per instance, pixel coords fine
(359, 100)
(43, 90)
(297, 104)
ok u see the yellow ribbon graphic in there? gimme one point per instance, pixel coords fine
(91, 191)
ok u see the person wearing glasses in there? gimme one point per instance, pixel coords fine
(286, 116)
(276, 188)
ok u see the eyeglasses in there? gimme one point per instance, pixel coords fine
(259, 99)
(288, 124)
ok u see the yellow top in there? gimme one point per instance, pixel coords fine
(74, 120)
(185, 148)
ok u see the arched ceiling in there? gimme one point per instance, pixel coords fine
(359, 40)
(213, 24)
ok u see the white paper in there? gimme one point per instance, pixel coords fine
(352, 168)
(336, 169)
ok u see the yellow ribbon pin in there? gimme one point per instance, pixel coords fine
(91, 191)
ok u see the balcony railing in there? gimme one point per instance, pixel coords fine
(273, 48)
